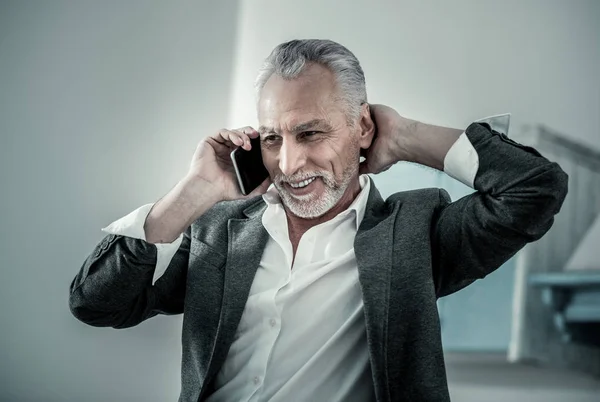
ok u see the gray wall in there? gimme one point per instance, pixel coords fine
(102, 104)
(101, 107)
(449, 63)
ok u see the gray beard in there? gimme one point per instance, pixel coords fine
(312, 206)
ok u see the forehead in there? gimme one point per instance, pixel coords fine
(311, 95)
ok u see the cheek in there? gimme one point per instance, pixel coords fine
(270, 161)
(345, 158)
(322, 156)
(339, 154)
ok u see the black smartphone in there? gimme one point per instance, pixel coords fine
(249, 167)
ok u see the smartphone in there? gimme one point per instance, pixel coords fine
(249, 167)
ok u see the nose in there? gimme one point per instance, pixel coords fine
(292, 157)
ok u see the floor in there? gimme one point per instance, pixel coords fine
(490, 378)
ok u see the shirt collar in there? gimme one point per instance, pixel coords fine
(358, 206)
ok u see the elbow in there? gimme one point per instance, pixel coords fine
(85, 312)
(558, 187)
(529, 214)
(543, 211)
(92, 312)
(80, 310)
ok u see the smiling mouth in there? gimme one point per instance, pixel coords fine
(303, 183)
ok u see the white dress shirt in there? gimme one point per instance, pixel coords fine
(302, 334)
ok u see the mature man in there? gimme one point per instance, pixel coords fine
(315, 288)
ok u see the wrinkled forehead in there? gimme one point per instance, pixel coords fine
(284, 103)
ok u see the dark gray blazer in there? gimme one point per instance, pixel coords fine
(411, 249)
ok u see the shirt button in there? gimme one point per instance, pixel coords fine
(256, 380)
(273, 322)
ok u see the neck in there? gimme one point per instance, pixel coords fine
(297, 225)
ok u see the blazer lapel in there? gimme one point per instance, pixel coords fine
(247, 240)
(373, 250)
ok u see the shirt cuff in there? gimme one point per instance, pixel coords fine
(461, 161)
(132, 225)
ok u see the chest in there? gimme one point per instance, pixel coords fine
(304, 290)
(320, 244)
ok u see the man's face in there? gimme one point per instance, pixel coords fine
(311, 153)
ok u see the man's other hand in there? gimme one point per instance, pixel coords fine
(388, 146)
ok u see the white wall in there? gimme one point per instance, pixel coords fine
(449, 63)
(101, 106)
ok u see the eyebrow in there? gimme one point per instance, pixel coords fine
(309, 125)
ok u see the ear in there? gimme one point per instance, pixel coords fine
(366, 127)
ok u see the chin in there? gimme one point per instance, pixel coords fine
(310, 209)
(306, 214)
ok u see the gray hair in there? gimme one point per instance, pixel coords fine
(288, 60)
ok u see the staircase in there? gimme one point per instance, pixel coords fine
(535, 335)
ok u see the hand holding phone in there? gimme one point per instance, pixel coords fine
(249, 168)
(212, 173)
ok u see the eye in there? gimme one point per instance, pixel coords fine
(270, 139)
(309, 133)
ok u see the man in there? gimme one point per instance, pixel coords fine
(315, 288)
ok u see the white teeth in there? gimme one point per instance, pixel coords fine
(303, 183)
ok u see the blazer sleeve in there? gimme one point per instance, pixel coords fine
(114, 287)
(518, 193)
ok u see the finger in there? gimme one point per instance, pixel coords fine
(260, 189)
(229, 137)
(249, 131)
(245, 140)
(236, 138)
(246, 134)
(219, 146)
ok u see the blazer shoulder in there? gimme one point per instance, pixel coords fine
(423, 197)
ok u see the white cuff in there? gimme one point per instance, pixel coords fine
(498, 122)
(132, 225)
(462, 161)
